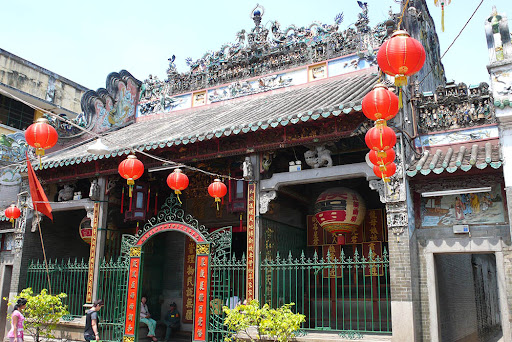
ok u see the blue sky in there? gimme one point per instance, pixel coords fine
(85, 41)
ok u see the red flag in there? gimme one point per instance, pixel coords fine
(39, 198)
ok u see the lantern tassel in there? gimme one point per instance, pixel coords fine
(241, 216)
(122, 200)
(217, 200)
(131, 198)
(178, 193)
(400, 98)
(12, 221)
(442, 18)
(156, 203)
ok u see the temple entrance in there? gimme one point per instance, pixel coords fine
(157, 270)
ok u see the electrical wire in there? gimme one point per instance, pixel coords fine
(458, 35)
(69, 122)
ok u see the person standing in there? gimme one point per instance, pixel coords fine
(145, 317)
(91, 331)
(16, 332)
(172, 321)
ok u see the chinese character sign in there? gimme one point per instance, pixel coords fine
(189, 271)
(201, 301)
(131, 302)
(251, 236)
(92, 252)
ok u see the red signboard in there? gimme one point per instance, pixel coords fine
(373, 269)
(92, 252)
(171, 226)
(188, 280)
(202, 277)
(315, 232)
(131, 302)
(251, 236)
(374, 225)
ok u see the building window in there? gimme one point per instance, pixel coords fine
(15, 114)
(6, 242)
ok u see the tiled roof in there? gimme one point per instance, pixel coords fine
(457, 157)
(321, 99)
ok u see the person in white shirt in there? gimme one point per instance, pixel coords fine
(145, 317)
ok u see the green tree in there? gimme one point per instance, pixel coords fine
(42, 313)
(273, 324)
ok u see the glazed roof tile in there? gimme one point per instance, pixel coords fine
(331, 97)
(457, 157)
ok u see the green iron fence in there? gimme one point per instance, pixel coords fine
(337, 293)
(70, 277)
(227, 287)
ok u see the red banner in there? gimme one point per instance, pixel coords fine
(334, 253)
(189, 270)
(92, 252)
(315, 232)
(201, 298)
(251, 236)
(131, 302)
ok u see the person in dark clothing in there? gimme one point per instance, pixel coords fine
(172, 320)
(91, 331)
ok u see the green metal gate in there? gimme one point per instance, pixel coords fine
(227, 287)
(70, 277)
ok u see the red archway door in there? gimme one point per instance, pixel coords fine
(201, 281)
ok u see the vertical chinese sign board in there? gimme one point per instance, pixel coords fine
(92, 252)
(188, 279)
(130, 328)
(251, 238)
(202, 282)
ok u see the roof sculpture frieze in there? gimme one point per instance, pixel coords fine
(262, 51)
(104, 109)
(454, 106)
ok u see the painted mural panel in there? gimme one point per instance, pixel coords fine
(348, 64)
(471, 208)
(458, 136)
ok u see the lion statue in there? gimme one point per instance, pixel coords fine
(318, 156)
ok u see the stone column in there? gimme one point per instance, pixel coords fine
(395, 195)
(101, 233)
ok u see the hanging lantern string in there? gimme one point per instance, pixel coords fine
(105, 138)
(453, 42)
(402, 15)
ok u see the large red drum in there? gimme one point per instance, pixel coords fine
(340, 210)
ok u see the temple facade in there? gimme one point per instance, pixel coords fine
(277, 117)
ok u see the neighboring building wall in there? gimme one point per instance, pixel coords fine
(29, 78)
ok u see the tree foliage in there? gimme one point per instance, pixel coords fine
(272, 324)
(42, 313)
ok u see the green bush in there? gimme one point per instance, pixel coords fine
(273, 324)
(42, 313)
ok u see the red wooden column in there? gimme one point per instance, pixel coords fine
(251, 240)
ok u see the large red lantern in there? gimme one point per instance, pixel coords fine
(41, 136)
(131, 169)
(382, 157)
(401, 56)
(340, 210)
(217, 190)
(380, 137)
(380, 103)
(12, 213)
(384, 171)
(177, 181)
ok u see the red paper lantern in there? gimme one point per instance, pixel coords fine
(384, 171)
(340, 210)
(177, 181)
(131, 169)
(380, 137)
(85, 229)
(382, 157)
(380, 103)
(12, 213)
(401, 56)
(217, 190)
(41, 136)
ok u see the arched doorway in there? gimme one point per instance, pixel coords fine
(172, 218)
